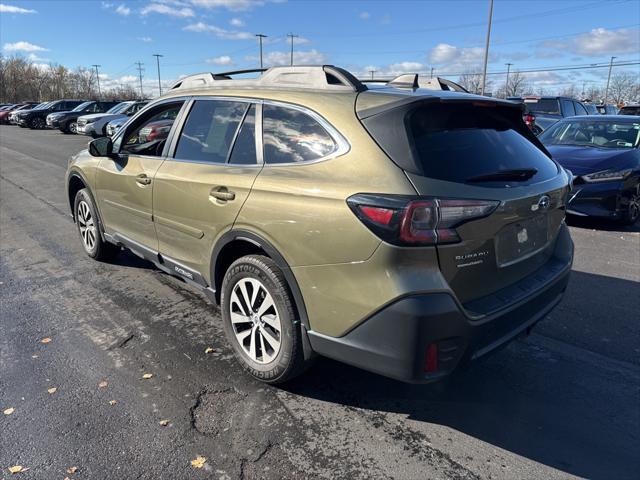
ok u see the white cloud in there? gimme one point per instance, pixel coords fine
(457, 59)
(218, 32)
(443, 53)
(35, 58)
(364, 15)
(123, 10)
(235, 5)
(13, 9)
(128, 79)
(23, 47)
(145, 39)
(405, 67)
(221, 60)
(164, 9)
(599, 41)
(309, 57)
(236, 22)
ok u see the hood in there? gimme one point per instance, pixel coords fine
(585, 160)
(102, 116)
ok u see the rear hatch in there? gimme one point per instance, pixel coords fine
(466, 148)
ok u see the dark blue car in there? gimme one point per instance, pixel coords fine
(603, 155)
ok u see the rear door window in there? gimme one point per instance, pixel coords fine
(210, 130)
(292, 136)
(244, 148)
(580, 110)
(542, 105)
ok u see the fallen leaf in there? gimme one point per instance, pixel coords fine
(164, 423)
(208, 350)
(52, 390)
(146, 376)
(17, 469)
(198, 462)
(112, 402)
(72, 470)
(9, 411)
(45, 340)
(103, 384)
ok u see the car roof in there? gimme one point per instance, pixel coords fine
(604, 118)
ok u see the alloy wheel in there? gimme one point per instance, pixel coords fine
(255, 320)
(37, 123)
(87, 225)
(73, 127)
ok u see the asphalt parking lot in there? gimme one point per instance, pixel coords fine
(561, 403)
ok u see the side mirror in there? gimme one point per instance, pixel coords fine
(101, 147)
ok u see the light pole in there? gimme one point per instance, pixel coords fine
(431, 75)
(372, 72)
(486, 49)
(140, 75)
(98, 79)
(606, 92)
(506, 85)
(260, 37)
(158, 62)
(292, 36)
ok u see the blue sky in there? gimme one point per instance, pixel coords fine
(387, 36)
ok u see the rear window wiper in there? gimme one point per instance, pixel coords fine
(518, 175)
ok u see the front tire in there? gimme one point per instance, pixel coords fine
(89, 228)
(260, 321)
(633, 208)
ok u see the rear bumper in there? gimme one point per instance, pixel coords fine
(394, 341)
(597, 200)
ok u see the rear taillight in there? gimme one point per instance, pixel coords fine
(409, 221)
(530, 120)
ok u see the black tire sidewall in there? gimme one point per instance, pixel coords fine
(83, 195)
(284, 363)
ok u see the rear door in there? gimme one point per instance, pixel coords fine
(201, 187)
(466, 151)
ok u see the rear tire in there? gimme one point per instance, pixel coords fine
(260, 322)
(37, 123)
(89, 228)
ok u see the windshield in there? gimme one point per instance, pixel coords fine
(82, 106)
(596, 133)
(119, 108)
(43, 105)
(542, 105)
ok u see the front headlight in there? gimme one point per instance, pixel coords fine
(607, 175)
(90, 120)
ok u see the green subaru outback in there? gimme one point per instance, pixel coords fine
(403, 230)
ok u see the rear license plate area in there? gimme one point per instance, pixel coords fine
(522, 239)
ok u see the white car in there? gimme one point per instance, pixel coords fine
(95, 125)
(114, 125)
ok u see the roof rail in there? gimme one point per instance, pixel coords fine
(413, 80)
(317, 77)
(439, 83)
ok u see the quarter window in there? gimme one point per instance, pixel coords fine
(292, 136)
(209, 131)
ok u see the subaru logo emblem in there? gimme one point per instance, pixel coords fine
(543, 203)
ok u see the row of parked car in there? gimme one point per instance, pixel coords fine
(88, 117)
(542, 112)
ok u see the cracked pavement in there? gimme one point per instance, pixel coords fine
(562, 403)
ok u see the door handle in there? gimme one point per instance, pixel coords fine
(143, 179)
(221, 193)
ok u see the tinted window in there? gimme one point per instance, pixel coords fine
(542, 105)
(455, 143)
(291, 136)
(244, 150)
(210, 130)
(580, 110)
(567, 108)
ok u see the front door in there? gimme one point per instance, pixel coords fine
(198, 192)
(124, 184)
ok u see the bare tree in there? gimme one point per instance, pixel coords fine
(472, 81)
(623, 88)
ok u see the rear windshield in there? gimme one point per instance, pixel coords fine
(542, 105)
(457, 142)
(630, 111)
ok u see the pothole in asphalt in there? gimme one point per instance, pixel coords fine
(216, 411)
